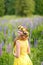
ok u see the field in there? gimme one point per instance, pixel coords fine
(8, 31)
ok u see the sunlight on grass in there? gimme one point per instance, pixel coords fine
(9, 17)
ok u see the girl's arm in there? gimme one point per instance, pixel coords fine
(28, 49)
(17, 53)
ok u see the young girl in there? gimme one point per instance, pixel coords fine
(22, 48)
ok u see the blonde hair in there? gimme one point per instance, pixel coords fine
(22, 37)
(24, 30)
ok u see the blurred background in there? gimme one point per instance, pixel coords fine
(28, 13)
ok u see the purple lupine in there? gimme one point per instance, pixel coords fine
(37, 21)
(22, 21)
(3, 21)
(42, 32)
(9, 33)
(35, 42)
(0, 49)
(4, 33)
(2, 43)
(5, 28)
(8, 49)
(0, 28)
(42, 63)
(13, 35)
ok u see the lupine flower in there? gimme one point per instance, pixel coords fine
(5, 28)
(0, 49)
(4, 33)
(8, 49)
(41, 63)
(42, 32)
(13, 35)
(35, 42)
(4, 21)
(2, 43)
(0, 28)
(37, 21)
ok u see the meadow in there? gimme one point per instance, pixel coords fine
(8, 32)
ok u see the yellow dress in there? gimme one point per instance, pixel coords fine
(24, 58)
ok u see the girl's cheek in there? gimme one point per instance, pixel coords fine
(20, 33)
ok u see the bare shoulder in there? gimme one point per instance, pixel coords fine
(17, 42)
(28, 43)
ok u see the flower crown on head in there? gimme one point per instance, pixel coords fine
(24, 30)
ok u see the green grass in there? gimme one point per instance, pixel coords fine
(8, 17)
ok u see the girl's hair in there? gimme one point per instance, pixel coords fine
(24, 36)
(15, 40)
